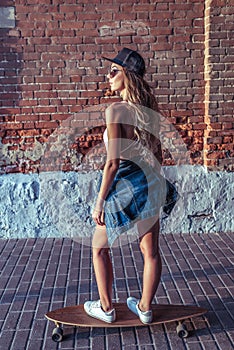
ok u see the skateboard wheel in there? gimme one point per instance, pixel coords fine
(182, 331)
(57, 334)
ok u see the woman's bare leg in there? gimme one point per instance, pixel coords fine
(149, 245)
(103, 268)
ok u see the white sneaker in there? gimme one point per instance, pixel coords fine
(94, 309)
(146, 317)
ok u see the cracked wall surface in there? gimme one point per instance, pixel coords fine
(58, 204)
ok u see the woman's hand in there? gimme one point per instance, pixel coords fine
(98, 217)
(98, 213)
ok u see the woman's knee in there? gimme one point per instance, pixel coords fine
(100, 252)
(149, 252)
(149, 247)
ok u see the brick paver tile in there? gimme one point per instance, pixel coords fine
(6, 339)
(38, 275)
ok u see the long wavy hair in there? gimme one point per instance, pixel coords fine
(140, 96)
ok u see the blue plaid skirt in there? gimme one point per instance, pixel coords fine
(137, 192)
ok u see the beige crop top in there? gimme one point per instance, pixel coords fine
(133, 148)
(129, 146)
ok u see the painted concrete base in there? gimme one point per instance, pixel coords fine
(60, 204)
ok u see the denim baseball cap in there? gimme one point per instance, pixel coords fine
(130, 59)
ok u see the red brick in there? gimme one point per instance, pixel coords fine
(47, 109)
(29, 125)
(46, 125)
(214, 140)
(118, 16)
(216, 155)
(71, 24)
(26, 117)
(28, 103)
(70, 8)
(227, 139)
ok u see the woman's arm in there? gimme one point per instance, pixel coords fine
(112, 162)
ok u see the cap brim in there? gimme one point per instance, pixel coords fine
(114, 60)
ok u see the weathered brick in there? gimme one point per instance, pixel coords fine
(38, 57)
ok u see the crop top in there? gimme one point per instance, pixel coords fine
(129, 149)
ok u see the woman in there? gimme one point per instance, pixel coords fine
(132, 190)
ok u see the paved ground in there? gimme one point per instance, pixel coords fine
(38, 275)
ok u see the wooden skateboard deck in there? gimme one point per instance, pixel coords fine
(76, 316)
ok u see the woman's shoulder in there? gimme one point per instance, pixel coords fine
(117, 111)
(119, 105)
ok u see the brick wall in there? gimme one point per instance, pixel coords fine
(219, 79)
(51, 72)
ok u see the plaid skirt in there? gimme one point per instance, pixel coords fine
(137, 192)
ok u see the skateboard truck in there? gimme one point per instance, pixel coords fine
(57, 334)
(181, 330)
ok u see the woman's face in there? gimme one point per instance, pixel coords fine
(116, 77)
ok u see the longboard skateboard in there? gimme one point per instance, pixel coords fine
(76, 316)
